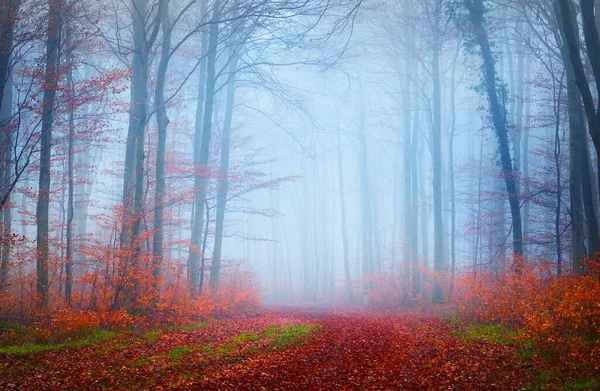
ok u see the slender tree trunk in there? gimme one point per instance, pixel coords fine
(518, 123)
(526, 206)
(42, 211)
(570, 31)
(201, 168)
(415, 185)
(70, 182)
(576, 141)
(438, 230)
(162, 123)
(196, 224)
(564, 13)
(126, 291)
(304, 242)
(557, 152)
(203, 249)
(407, 196)
(451, 173)
(476, 18)
(365, 199)
(223, 182)
(8, 20)
(345, 249)
(5, 177)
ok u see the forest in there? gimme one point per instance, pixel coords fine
(300, 194)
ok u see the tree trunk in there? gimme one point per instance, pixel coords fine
(476, 18)
(407, 197)
(42, 211)
(5, 176)
(133, 175)
(70, 184)
(563, 13)
(196, 228)
(345, 249)
(414, 238)
(8, 19)
(436, 139)
(201, 169)
(576, 140)
(162, 123)
(451, 174)
(223, 182)
(365, 198)
(571, 36)
(557, 152)
(526, 206)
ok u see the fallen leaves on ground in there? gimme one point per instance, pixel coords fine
(280, 350)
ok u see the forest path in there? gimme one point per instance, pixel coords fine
(280, 350)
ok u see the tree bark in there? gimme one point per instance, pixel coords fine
(196, 229)
(438, 230)
(8, 18)
(564, 13)
(51, 82)
(345, 248)
(576, 140)
(201, 169)
(476, 18)
(162, 123)
(5, 176)
(223, 182)
(70, 191)
(365, 199)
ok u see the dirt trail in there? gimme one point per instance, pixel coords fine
(343, 351)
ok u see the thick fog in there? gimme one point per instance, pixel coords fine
(356, 140)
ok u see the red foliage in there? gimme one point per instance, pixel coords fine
(352, 351)
(559, 314)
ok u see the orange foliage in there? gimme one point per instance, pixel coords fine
(559, 314)
(96, 301)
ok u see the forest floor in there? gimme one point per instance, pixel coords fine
(287, 349)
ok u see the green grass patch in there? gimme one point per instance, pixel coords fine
(97, 336)
(246, 337)
(178, 353)
(152, 336)
(490, 332)
(591, 384)
(289, 334)
(188, 327)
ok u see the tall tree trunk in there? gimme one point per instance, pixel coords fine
(345, 248)
(407, 196)
(451, 173)
(42, 212)
(196, 224)
(70, 184)
(126, 291)
(436, 140)
(557, 152)
(304, 241)
(518, 123)
(201, 169)
(571, 36)
(476, 18)
(576, 141)
(365, 198)
(415, 185)
(526, 187)
(162, 123)
(570, 33)
(5, 177)
(8, 19)
(223, 182)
